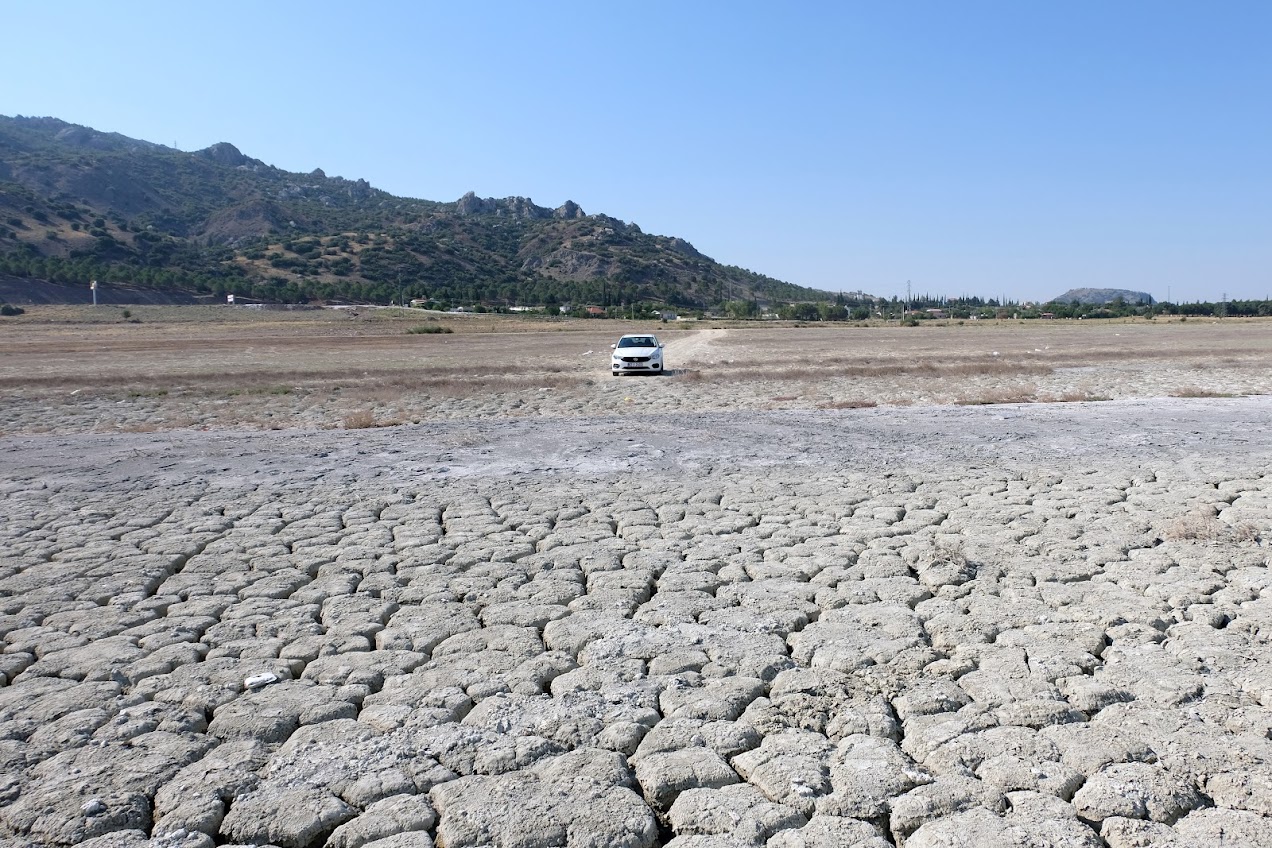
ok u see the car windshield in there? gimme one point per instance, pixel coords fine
(637, 341)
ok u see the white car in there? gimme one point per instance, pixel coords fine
(637, 353)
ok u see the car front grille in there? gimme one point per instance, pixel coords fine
(635, 358)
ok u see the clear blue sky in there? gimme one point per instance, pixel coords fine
(992, 148)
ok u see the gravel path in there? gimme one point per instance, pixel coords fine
(927, 626)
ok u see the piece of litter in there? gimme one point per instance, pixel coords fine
(587, 353)
(256, 681)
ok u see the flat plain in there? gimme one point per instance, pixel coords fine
(72, 369)
(307, 578)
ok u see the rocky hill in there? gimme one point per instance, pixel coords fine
(1101, 296)
(77, 204)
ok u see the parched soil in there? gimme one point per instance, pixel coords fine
(857, 586)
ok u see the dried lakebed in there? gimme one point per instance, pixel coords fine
(1018, 625)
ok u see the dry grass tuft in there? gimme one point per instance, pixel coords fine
(944, 564)
(1246, 532)
(945, 552)
(807, 368)
(996, 396)
(784, 398)
(1198, 392)
(848, 404)
(1075, 397)
(1204, 525)
(360, 420)
(1193, 528)
(833, 366)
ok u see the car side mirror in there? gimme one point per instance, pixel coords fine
(660, 344)
(613, 347)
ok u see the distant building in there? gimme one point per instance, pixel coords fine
(595, 312)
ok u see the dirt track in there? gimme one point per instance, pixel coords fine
(1009, 624)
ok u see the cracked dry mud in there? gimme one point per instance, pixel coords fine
(1006, 626)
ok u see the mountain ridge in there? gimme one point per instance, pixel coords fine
(78, 204)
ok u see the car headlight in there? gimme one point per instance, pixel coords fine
(657, 354)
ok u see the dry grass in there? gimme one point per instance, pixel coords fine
(1025, 394)
(987, 397)
(1073, 397)
(948, 552)
(371, 383)
(1204, 525)
(848, 404)
(1193, 528)
(1246, 532)
(363, 419)
(1198, 392)
(360, 420)
(926, 370)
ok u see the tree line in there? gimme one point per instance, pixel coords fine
(172, 266)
